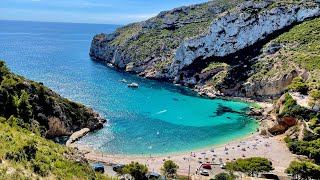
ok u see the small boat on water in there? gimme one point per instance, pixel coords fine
(110, 65)
(123, 81)
(133, 85)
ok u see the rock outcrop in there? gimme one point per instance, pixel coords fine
(182, 44)
(232, 32)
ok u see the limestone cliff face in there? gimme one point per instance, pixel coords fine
(210, 47)
(233, 32)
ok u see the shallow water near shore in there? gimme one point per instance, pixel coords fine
(156, 118)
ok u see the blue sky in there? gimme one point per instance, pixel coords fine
(87, 11)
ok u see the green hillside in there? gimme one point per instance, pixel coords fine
(26, 108)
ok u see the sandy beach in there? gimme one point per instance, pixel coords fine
(256, 145)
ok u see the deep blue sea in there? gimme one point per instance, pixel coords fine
(156, 118)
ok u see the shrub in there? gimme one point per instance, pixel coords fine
(298, 85)
(223, 176)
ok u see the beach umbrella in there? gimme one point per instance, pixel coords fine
(203, 153)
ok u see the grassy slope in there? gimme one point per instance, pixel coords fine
(25, 155)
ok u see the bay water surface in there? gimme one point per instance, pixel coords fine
(156, 118)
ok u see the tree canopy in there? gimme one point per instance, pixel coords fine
(303, 170)
(169, 168)
(136, 170)
(250, 166)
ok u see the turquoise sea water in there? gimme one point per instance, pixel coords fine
(157, 118)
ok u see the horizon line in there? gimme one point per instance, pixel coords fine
(39, 21)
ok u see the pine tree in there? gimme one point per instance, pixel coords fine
(11, 106)
(24, 107)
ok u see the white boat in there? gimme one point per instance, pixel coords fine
(123, 81)
(110, 65)
(133, 85)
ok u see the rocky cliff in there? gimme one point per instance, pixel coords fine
(219, 47)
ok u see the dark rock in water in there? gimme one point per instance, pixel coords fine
(175, 99)
(222, 110)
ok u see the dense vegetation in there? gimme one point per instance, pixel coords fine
(303, 170)
(292, 109)
(310, 149)
(25, 110)
(36, 106)
(302, 44)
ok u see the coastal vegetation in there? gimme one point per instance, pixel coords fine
(25, 110)
(39, 109)
(298, 85)
(250, 166)
(169, 168)
(136, 170)
(26, 155)
(303, 170)
(224, 176)
(292, 109)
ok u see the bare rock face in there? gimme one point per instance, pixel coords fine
(233, 32)
(270, 86)
(282, 125)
